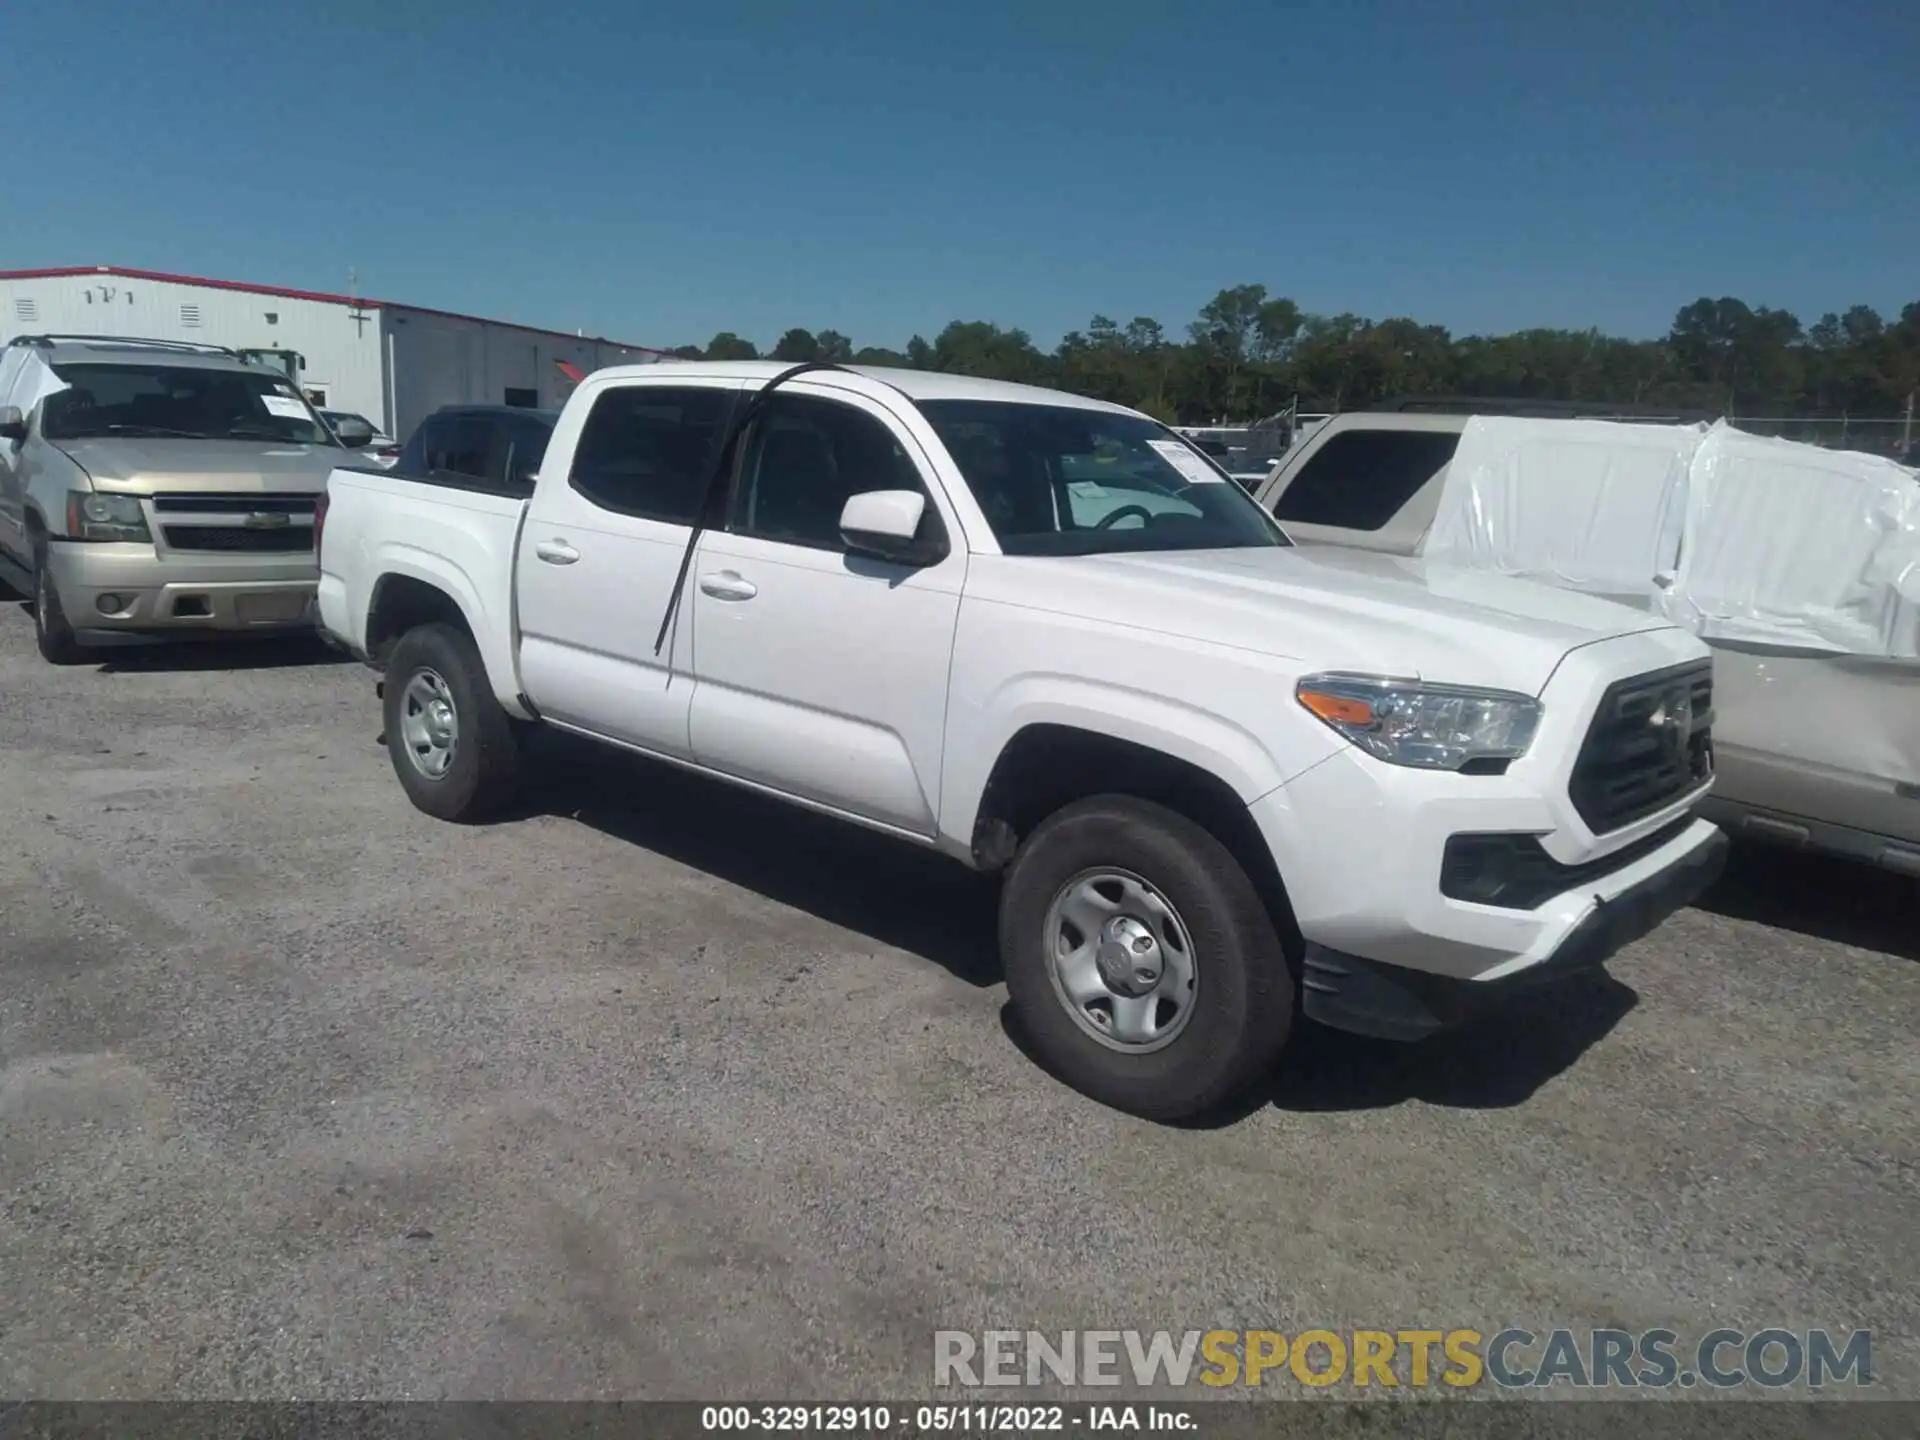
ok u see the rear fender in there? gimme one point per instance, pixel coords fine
(490, 626)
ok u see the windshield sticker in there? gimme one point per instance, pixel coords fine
(1192, 468)
(286, 407)
(1087, 489)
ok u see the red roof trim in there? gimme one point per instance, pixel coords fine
(320, 296)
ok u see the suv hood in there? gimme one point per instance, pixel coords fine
(246, 467)
(1330, 609)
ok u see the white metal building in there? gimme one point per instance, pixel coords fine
(394, 364)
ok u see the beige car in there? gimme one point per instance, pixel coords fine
(1811, 751)
(149, 488)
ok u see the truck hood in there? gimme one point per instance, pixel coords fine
(244, 467)
(1334, 609)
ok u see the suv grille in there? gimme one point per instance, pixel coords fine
(1650, 743)
(235, 537)
(229, 504)
(274, 524)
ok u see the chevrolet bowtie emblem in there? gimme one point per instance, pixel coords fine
(267, 520)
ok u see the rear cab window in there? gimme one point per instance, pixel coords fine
(526, 447)
(459, 446)
(1361, 479)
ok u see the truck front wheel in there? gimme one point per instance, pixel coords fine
(1141, 960)
(452, 745)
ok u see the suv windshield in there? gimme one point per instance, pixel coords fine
(185, 402)
(1061, 480)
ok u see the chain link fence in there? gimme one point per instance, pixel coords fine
(1894, 437)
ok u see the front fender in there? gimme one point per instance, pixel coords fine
(1223, 745)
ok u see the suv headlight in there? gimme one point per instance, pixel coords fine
(93, 516)
(1427, 727)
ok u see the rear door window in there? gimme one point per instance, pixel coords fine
(645, 450)
(1360, 479)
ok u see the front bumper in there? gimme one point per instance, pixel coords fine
(1393, 1002)
(130, 590)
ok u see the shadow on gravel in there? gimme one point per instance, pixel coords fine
(928, 906)
(1500, 1060)
(899, 895)
(1497, 1062)
(1820, 897)
(187, 656)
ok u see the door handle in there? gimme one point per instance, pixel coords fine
(728, 585)
(556, 552)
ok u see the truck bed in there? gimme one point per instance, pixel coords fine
(456, 534)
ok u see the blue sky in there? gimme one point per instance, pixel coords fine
(658, 172)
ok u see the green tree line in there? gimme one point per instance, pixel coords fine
(1249, 354)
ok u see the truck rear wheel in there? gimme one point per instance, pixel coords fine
(452, 746)
(1141, 960)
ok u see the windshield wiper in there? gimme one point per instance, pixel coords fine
(156, 430)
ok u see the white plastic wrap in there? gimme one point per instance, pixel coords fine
(1583, 504)
(1742, 539)
(1793, 546)
(26, 378)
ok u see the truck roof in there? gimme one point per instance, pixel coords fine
(915, 384)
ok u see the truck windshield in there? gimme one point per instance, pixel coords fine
(181, 402)
(1061, 480)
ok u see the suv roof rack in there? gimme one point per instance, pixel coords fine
(139, 342)
(1538, 409)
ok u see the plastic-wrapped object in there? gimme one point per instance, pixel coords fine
(1792, 546)
(1590, 505)
(26, 378)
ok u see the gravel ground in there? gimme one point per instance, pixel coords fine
(667, 1091)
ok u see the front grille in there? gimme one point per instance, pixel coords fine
(227, 503)
(236, 537)
(1651, 742)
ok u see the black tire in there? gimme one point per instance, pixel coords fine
(1243, 1007)
(51, 630)
(483, 771)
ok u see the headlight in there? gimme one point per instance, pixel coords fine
(1428, 727)
(93, 516)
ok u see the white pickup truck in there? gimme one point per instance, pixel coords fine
(1229, 782)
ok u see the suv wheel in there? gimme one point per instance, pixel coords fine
(1141, 959)
(452, 746)
(50, 628)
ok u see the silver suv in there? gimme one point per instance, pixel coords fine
(157, 488)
